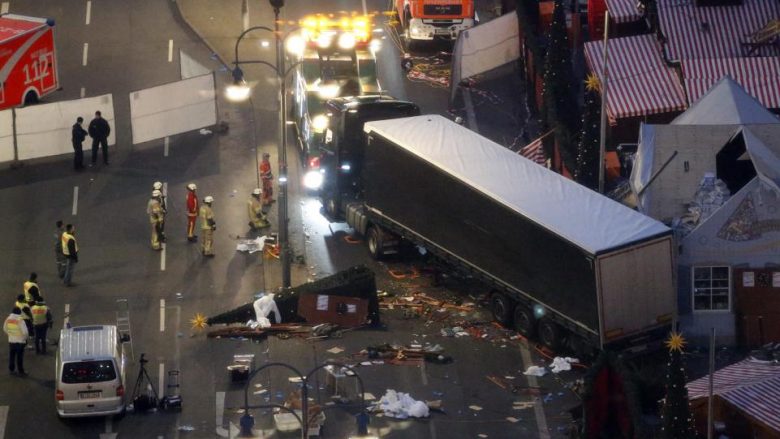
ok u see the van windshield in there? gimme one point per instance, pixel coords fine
(88, 372)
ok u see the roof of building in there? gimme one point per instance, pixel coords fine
(640, 83)
(759, 76)
(585, 218)
(726, 103)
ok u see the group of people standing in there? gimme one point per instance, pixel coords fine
(29, 321)
(98, 129)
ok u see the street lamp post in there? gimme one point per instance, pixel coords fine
(240, 91)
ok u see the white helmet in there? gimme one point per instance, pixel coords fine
(208, 199)
(257, 191)
(157, 185)
(191, 186)
(156, 193)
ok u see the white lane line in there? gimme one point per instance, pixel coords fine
(160, 379)
(541, 420)
(167, 144)
(108, 423)
(65, 319)
(84, 55)
(75, 200)
(424, 374)
(162, 315)
(3, 408)
(365, 9)
(3, 10)
(89, 11)
(220, 409)
(83, 92)
(170, 50)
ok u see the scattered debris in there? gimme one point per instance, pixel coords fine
(522, 405)
(512, 419)
(561, 364)
(335, 350)
(401, 406)
(204, 132)
(252, 245)
(476, 408)
(536, 371)
(186, 428)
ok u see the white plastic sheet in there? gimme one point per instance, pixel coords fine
(174, 108)
(45, 130)
(401, 405)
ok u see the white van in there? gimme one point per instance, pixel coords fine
(90, 372)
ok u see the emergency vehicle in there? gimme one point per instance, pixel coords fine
(28, 60)
(426, 20)
(335, 58)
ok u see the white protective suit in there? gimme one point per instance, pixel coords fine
(263, 308)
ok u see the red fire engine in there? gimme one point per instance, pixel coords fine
(28, 69)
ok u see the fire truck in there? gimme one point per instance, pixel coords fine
(335, 57)
(426, 20)
(28, 68)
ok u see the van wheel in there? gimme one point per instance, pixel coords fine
(374, 241)
(502, 308)
(30, 98)
(549, 334)
(525, 323)
(330, 207)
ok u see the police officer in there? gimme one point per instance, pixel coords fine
(78, 134)
(70, 249)
(207, 227)
(59, 257)
(257, 219)
(42, 321)
(31, 290)
(26, 313)
(156, 218)
(17, 333)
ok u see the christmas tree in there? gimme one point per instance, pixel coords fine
(560, 107)
(587, 171)
(676, 413)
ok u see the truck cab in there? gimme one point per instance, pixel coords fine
(28, 68)
(426, 20)
(341, 159)
(335, 58)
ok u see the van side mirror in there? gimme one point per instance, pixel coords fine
(124, 338)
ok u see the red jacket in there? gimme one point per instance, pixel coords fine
(192, 203)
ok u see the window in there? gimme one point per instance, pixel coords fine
(711, 287)
(88, 372)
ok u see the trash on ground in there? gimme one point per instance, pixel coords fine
(335, 350)
(560, 364)
(401, 406)
(536, 371)
(522, 405)
(251, 245)
(476, 408)
(512, 419)
(186, 428)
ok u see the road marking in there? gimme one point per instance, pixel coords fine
(424, 374)
(162, 315)
(75, 200)
(170, 50)
(220, 399)
(84, 55)
(89, 11)
(166, 145)
(541, 420)
(245, 14)
(108, 434)
(3, 10)
(471, 118)
(432, 429)
(3, 408)
(65, 319)
(83, 92)
(160, 380)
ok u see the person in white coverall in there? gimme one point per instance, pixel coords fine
(263, 308)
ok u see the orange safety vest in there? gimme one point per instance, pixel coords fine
(39, 314)
(65, 238)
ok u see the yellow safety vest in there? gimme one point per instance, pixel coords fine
(206, 214)
(27, 285)
(65, 238)
(22, 306)
(39, 314)
(12, 327)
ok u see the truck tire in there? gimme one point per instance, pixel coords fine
(502, 308)
(31, 98)
(331, 207)
(375, 242)
(525, 322)
(549, 334)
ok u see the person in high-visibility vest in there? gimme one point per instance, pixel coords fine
(70, 249)
(192, 212)
(42, 321)
(26, 313)
(207, 227)
(156, 218)
(59, 257)
(17, 333)
(257, 219)
(31, 289)
(267, 176)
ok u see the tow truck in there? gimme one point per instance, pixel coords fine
(335, 58)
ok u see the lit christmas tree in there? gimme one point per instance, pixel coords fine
(587, 171)
(676, 413)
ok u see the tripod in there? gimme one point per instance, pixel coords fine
(142, 403)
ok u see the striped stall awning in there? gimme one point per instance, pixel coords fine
(759, 76)
(760, 401)
(639, 82)
(623, 11)
(714, 32)
(743, 373)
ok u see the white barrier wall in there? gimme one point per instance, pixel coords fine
(45, 130)
(173, 108)
(6, 136)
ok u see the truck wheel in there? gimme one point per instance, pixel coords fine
(525, 323)
(549, 334)
(374, 242)
(502, 308)
(330, 207)
(30, 98)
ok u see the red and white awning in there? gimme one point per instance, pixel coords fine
(623, 11)
(640, 83)
(713, 32)
(732, 377)
(759, 76)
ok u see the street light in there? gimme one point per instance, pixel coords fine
(240, 91)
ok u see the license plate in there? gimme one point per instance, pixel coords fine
(89, 395)
(442, 31)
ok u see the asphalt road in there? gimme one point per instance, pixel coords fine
(131, 48)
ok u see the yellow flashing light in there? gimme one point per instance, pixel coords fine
(315, 26)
